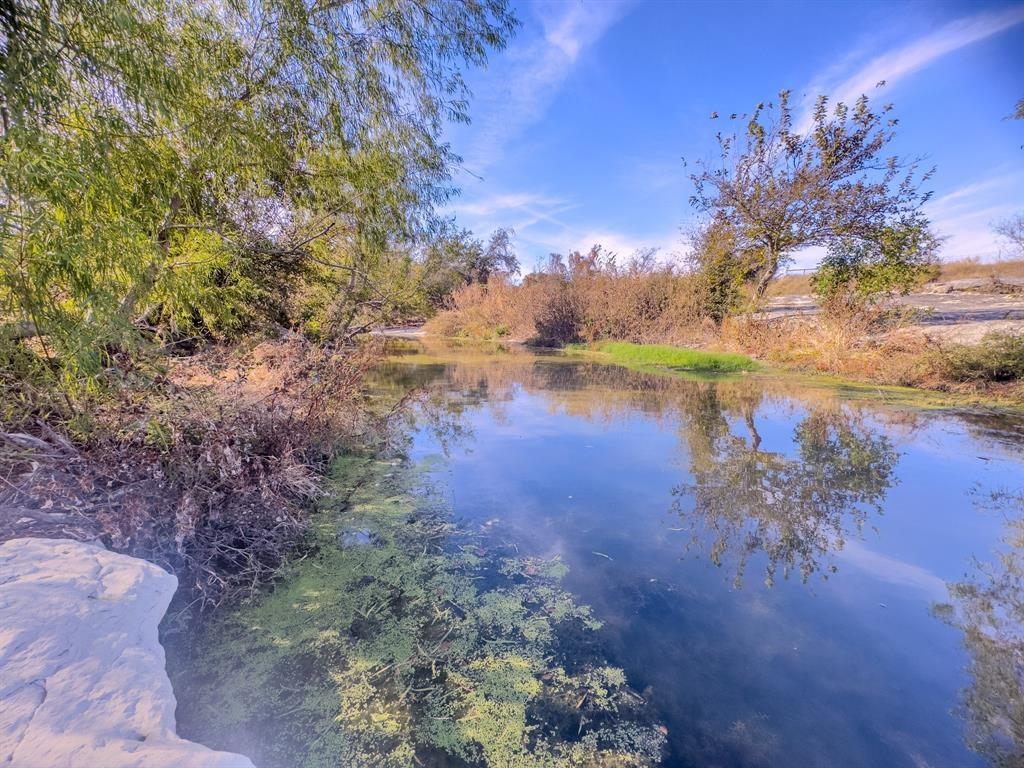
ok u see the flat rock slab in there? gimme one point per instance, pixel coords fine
(82, 679)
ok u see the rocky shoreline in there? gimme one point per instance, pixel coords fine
(82, 677)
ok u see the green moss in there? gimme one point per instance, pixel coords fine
(384, 648)
(675, 358)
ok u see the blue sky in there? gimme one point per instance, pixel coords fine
(580, 125)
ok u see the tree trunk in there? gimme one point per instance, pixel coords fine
(353, 307)
(771, 266)
(755, 436)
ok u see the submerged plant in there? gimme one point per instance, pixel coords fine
(403, 641)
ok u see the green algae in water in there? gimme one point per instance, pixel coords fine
(401, 641)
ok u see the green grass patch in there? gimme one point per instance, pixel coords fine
(676, 358)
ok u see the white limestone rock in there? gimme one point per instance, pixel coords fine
(82, 680)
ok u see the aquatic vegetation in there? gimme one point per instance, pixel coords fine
(678, 358)
(411, 643)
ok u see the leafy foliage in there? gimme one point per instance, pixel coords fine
(895, 260)
(779, 187)
(189, 164)
(456, 259)
(722, 269)
(997, 357)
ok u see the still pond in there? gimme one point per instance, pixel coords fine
(557, 562)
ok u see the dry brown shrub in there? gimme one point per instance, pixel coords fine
(593, 300)
(489, 310)
(208, 472)
(630, 306)
(974, 267)
(866, 345)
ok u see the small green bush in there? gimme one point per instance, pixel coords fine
(997, 357)
(860, 272)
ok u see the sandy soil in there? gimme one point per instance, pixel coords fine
(958, 311)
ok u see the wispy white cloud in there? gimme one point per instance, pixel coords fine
(519, 210)
(840, 84)
(493, 205)
(541, 229)
(892, 570)
(524, 80)
(965, 199)
(965, 216)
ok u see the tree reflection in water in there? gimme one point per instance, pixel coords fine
(741, 499)
(795, 509)
(988, 608)
(789, 501)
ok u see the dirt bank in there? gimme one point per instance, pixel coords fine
(955, 311)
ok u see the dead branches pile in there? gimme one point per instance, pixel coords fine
(210, 473)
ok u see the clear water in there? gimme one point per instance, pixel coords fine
(772, 560)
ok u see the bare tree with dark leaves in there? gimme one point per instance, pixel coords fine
(1012, 231)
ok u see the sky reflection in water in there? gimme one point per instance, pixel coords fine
(771, 561)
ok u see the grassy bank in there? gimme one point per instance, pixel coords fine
(883, 351)
(987, 373)
(660, 317)
(663, 356)
(648, 320)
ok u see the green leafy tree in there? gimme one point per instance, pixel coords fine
(859, 272)
(780, 189)
(722, 269)
(188, 164)
(456, 258)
